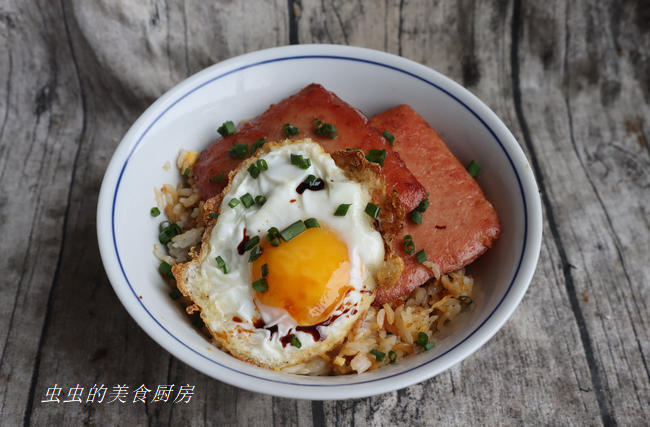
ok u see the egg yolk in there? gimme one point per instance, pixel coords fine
(308, 276)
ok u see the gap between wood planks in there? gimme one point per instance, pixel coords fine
(604, 404)
(48, 308)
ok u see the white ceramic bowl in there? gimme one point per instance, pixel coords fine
(187, 117)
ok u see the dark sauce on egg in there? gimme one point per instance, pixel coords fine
(272, 329)
(315, 185)
(312, 330)
(286, 339)
(241, 247)
(259, 324)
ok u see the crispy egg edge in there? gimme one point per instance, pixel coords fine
(389, 222)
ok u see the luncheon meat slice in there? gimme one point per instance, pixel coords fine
(300, 110)
(459, 224)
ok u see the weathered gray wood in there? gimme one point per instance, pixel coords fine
(41, 132)
(570, 79)
(595, 223)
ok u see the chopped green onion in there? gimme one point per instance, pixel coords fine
(238, 151)
(213, 215)
(275, 241)
(165, 269)
(473, 168)
(423, 341)
(163, 225)
(247, 200)
(392, 356)
(265, 270)
(256, 168)
(327, 130)
(260, 200)
(389, 137)
(233, 202)
(394, 191)
(376, 156)
(295, 342)
(154, 212)
(293, 230)
(273, 236)
(421, 256)
(379, 356)
(312, 223)
(251, 242)
(296, 159)
(186, 172)
(301, 162)
(168, 232)
(352, 149)
(257, 144)
(290, 129)
(216, 180)
(254, 171)
(416, 217)
(409, 246)
(310, 183)
(342, 209)
(309, 180)
(424, 204)
(372, 210)
(221, 264)
(175, 294)
(465, 300)
(255, 253)
(260, 285)
(227, 128)
(197, 321)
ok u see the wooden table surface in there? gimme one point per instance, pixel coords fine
(570, 79)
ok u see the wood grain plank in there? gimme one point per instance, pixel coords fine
(154, 45)
(40, 132)
(583, 223)
(371, 24)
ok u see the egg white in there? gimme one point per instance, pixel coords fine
(226, 300)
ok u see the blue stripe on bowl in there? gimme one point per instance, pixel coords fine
(341, 58)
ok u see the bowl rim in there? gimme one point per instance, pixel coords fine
(475, 339)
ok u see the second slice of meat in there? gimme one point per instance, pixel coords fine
(459, 225)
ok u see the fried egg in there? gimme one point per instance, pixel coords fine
(281, 298)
